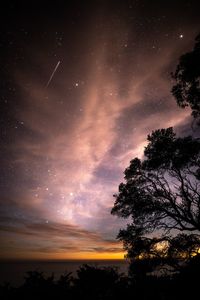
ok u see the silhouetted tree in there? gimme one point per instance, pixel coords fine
(105, 283)
(98, 283)
(187, 77)
(161, 197)
(37, 286)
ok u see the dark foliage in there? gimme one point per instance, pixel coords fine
(107, 283)
(187, 77)
(161, 197)
(90, 283)
(98, 283)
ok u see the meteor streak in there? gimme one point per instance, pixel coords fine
(54, 71)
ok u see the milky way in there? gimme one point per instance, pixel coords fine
(64, 148)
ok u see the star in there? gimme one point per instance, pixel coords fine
(181, 36)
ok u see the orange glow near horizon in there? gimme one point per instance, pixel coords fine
(72, 256)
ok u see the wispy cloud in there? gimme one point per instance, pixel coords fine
(76, 138)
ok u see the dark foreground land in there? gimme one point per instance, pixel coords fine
(93, 282)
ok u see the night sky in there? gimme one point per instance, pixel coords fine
(82, 84)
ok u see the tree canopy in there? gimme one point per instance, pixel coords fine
(187, 78)
(161, 197)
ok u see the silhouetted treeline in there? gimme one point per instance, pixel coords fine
(107, 283)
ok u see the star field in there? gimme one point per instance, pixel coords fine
(65, 142)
